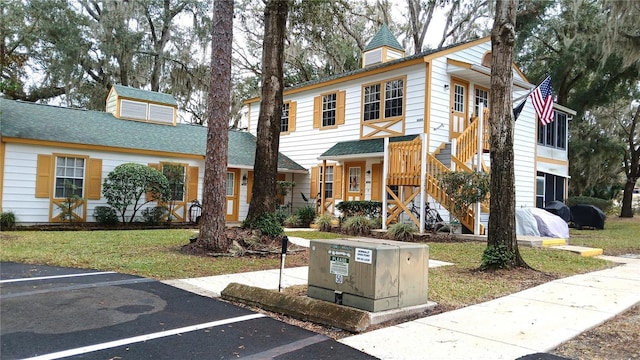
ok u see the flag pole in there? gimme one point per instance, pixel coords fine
(530, 91)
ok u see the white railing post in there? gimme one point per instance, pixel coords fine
(454, 149)
(385, 172)
(477, 207)
(423, 180)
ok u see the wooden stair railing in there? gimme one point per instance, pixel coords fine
(404, 170)
(435, 171)
(467, 142)
(467, 147)
(404, 163)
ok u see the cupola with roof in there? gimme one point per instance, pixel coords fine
(382, 48)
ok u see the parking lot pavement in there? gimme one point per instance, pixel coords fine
(49, 313)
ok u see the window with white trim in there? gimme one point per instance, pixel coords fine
(69, 177)
(329, 105)
(175, 173)
(458, 98)
(231, 183)
(328, 182)
(554, 134)
(539, 191)
(482, 97)
(284, 119)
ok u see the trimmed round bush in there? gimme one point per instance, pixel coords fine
(105, 215)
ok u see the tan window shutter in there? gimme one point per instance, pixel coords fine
(341, 96)
(292, 116)
(249, 186)
(314, 182)
(149, 195)
(317, 111)
(94, 179)
(192, 190)
(280, 177)
(43, 176)
(337, 182)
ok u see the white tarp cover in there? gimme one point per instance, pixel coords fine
(526, 224)
(550, 225)
(540, 222)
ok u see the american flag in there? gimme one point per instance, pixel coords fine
(543, 101)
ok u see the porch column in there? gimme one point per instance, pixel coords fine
(385, 171)
(478, 207)
(423, 180)
(322, 186)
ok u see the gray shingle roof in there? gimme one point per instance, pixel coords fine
(157, 97)
(384, 37)
(83, 127)
(370, 146)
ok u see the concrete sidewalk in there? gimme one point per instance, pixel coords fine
(531, 321)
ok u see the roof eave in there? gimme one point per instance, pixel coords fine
(350, 156)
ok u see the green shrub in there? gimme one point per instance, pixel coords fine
(357, 225)
(306, 215)
(376, 222)
(268, 224)
(497, 257)
(324, 222)
(153, 215)
(602, 204)
(401, 231)
(105, 215)
(292, 221)
(370, 209)
(7, 220)
(130, 186)
(281, 216)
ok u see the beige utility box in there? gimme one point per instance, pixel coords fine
(369, 274)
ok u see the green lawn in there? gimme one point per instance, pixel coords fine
(156, 254)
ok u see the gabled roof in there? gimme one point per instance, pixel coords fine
(95, 129)
(145, 95)
(371, 147)
(384, 37)
(376, 67)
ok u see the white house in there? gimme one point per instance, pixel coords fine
(42, 147)
(337, 126)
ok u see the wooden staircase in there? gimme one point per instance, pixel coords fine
(404, 171)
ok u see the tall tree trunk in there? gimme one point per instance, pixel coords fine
(631, 164)
(212, 228)
(263, 199)
(502, 229)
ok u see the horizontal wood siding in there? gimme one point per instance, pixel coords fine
(20, 178)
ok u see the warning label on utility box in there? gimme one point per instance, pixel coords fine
(339, 265)
(364, 255)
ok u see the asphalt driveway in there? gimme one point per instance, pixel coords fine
(50, 313)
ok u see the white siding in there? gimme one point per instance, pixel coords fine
(372, 57)
(306, 143)
(20, 178)
(112, 103)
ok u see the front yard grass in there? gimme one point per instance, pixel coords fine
(156, 254)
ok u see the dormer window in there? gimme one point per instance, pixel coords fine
(141, 105)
